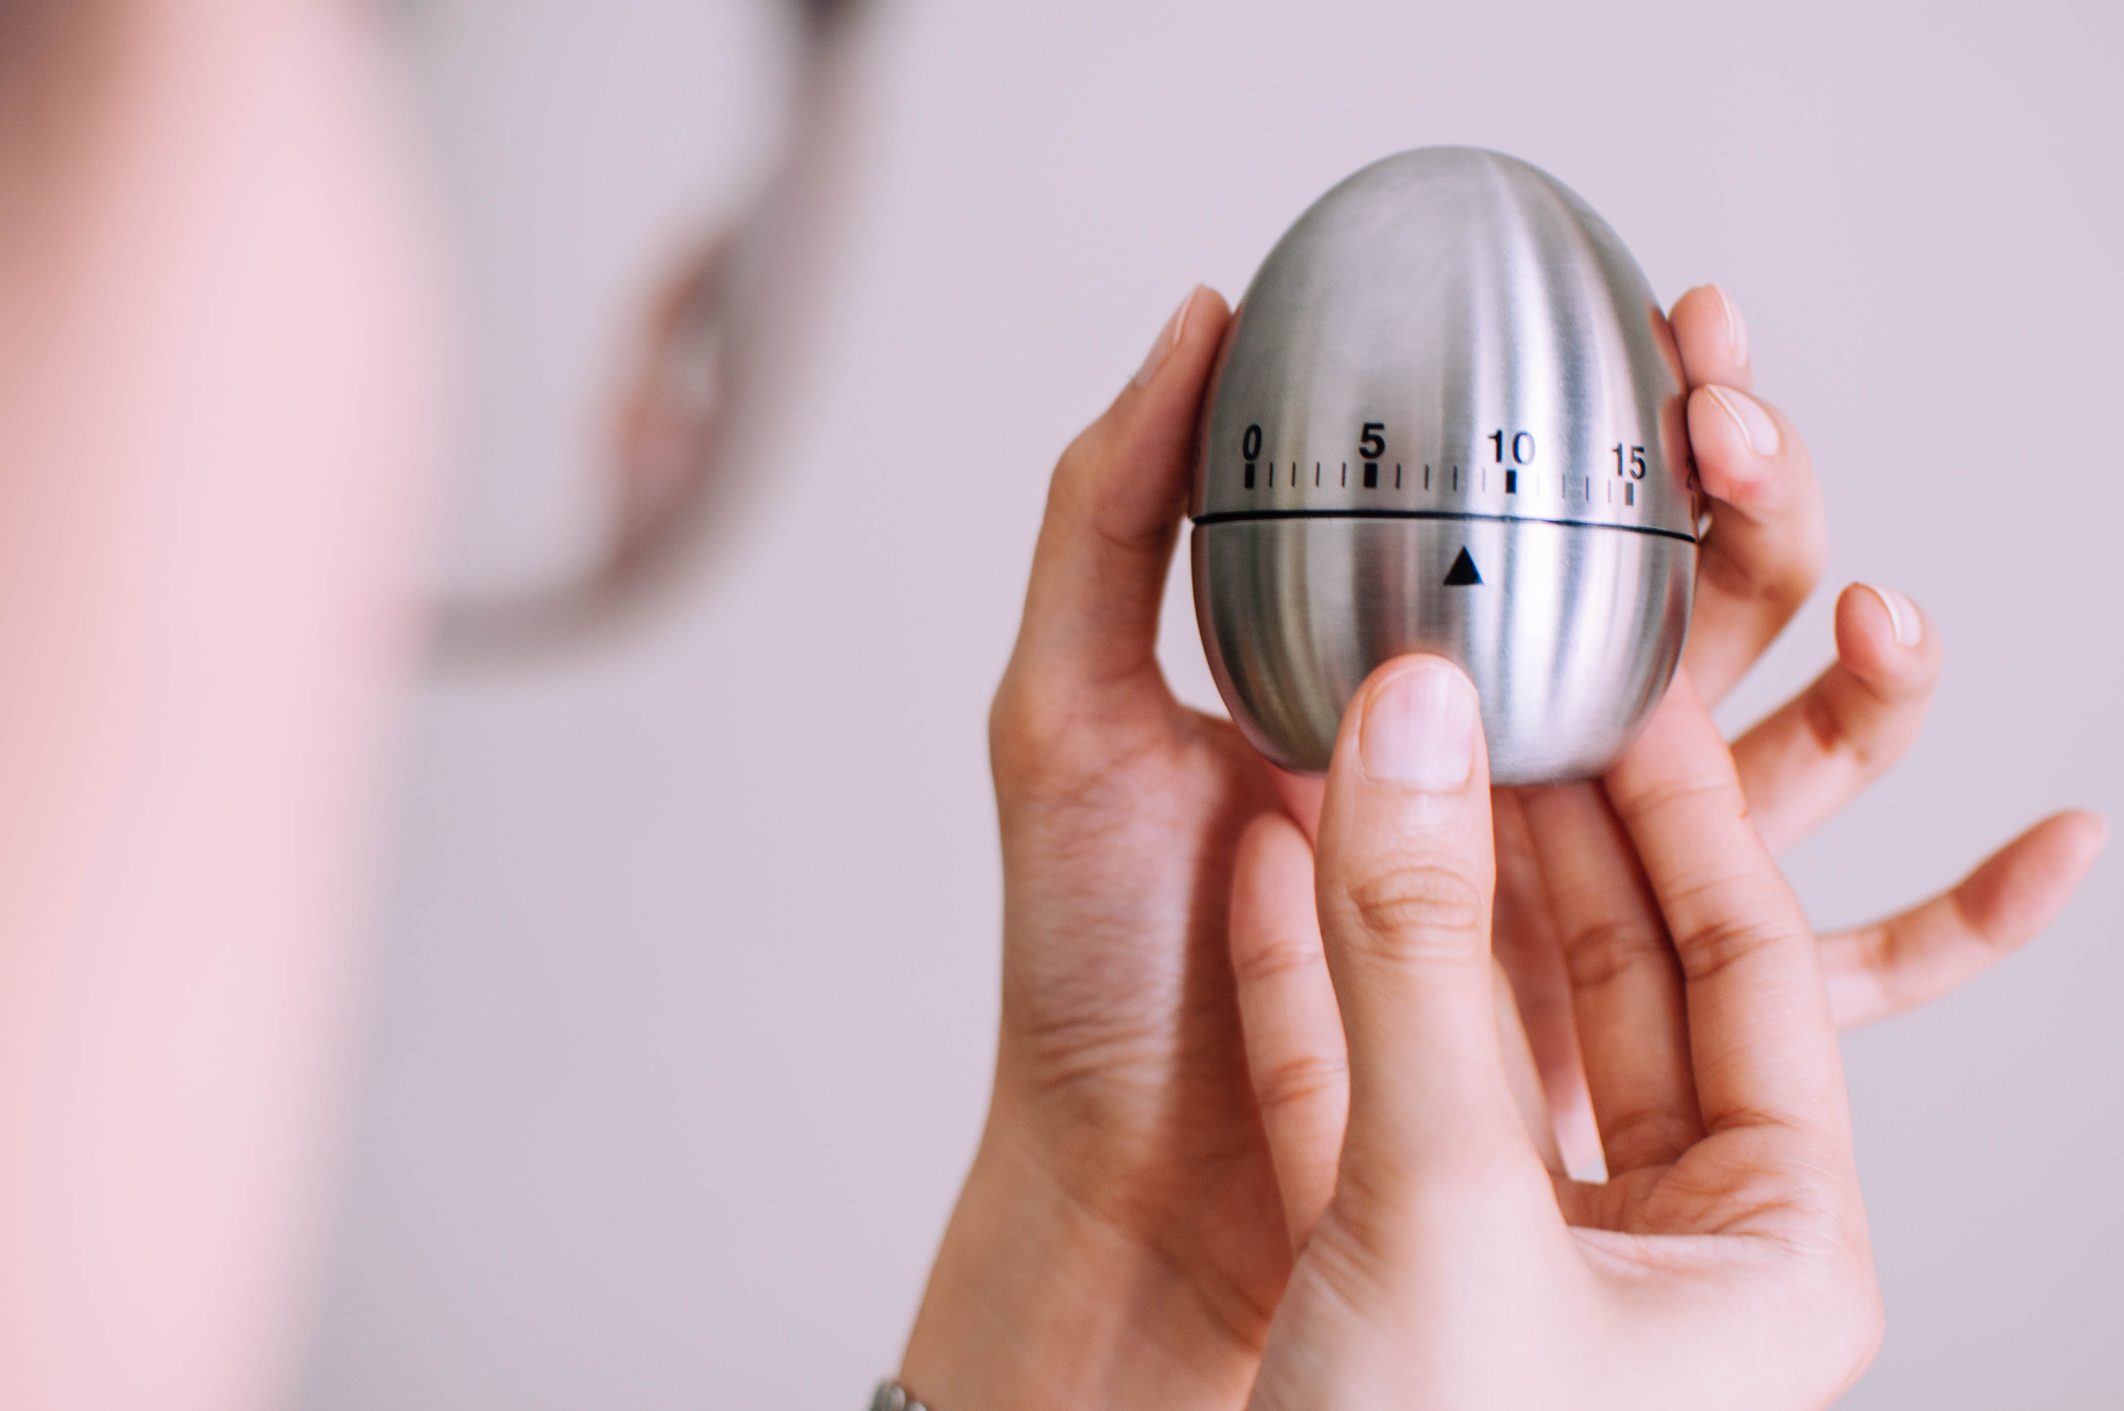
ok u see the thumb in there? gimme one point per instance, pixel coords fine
(1407, 870)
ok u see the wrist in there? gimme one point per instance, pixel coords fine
(1037, 1301)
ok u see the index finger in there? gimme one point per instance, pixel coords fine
(1760, 1036)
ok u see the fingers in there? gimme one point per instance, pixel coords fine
(1712, 338)
(1524, 935)
(1813, 756)
(1300, 795)
(1405, 876)
(1295, 1054)
(1768, 539)
(1625, 980)
(1762, 1046)
(1910, 959)
(1523, 1073)
(1296, 1057)
(1113, 511)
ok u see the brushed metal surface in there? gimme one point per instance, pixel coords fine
(1566, 634)
(1449, 352)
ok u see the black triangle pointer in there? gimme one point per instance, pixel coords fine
(1463, 574)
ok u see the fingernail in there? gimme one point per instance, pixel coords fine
(1904, 620)
(1419, 728)
(1168, 338)
(1736, 331)
(1756, 427)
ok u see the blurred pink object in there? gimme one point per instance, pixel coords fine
(217, 386)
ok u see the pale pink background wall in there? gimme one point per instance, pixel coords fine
(683, 993)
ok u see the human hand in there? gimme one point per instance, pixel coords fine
(1761, 558)
(1120, 1238)
(1725, 1260)
(1123, 1211)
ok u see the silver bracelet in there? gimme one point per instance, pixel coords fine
(891, 1396)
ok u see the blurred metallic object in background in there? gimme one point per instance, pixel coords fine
(719, 342)
(1448, 420)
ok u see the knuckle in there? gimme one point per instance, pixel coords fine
(1709, 950)
(1350, 1252)
(1869, 738)
(1804, 566)
(1016, 724)
(1970, 923)
(1079, 464)
(1782, 571)
(1825, 722)
(1420, 911)
(1390, 1199)
(1652, 801)
(1051, 742)
(1640, 1135)
(1031, 735)
(1281, 957)
(1599, 953)
(1300, 1080)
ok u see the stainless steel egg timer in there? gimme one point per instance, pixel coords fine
(1449, 419)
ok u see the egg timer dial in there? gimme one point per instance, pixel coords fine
(1448, 419)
